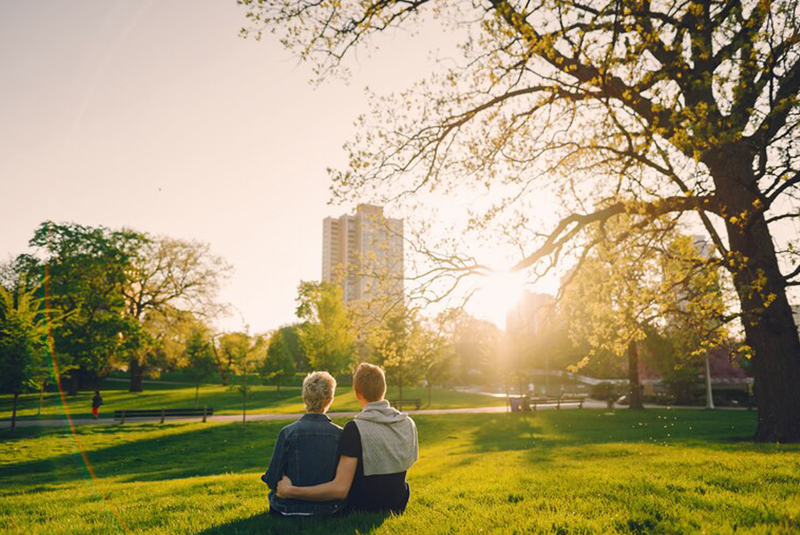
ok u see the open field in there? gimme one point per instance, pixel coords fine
(224, 400)
(556, 472)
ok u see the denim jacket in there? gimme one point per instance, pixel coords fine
(307, 452)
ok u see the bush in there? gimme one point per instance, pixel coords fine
(683, 385)
(604, 391)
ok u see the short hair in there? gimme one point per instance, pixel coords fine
(370, 381)
(318, 390)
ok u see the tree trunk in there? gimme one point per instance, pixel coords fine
(14, 412)
(196, 392)
(279, 386)
(635, 392)
(74, 382)
(429, 394)
(136, 371)
(41, 400)
(770, 330)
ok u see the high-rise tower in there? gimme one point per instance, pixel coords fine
(364, 253)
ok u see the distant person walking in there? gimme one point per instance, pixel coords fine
(97, 400)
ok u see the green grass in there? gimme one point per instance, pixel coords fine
(555, 472)
(224, 400)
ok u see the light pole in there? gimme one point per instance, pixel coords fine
(709, 392)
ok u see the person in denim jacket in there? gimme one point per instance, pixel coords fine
(307, 451)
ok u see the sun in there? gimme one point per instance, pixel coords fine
(496, 295)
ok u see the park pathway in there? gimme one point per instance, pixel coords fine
(260, 417)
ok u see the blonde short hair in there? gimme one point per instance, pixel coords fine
(370, 381)
(318, 390)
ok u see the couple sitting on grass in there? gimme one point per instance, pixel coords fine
(318, 468)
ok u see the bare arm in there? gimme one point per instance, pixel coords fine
(332, 490)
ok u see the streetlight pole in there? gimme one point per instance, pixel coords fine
(709, 392)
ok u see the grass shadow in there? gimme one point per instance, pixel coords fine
(181, 451)
(267, 524)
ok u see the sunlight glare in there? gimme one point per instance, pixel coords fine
(496, 295)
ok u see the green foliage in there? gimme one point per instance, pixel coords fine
(86, 270)
(280, 365)
(473, 343)
(200, 363)
(404, 347)
(604, 391)
(683, 385)
(23, 341)
(327, 334)
(291, 338)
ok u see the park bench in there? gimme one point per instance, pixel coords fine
(558, 402)
(398, 403)
(124, 414)
(524, 403)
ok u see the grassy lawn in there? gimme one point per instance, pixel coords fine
(224, 400)
(556, 472)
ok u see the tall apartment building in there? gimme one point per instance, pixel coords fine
(364, 252)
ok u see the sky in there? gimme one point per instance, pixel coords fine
(157, 116)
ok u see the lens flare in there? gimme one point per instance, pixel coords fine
(65, 406)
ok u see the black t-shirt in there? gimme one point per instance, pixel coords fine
(371, 493)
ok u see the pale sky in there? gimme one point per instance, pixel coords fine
(158, 116)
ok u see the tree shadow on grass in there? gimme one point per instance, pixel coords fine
(199, 450)
(264, 523)
(545, 432)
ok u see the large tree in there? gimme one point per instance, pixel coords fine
(684, 106)
(166, 278)
(86, 270)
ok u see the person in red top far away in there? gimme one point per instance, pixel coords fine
(376, 450)
(97, 400)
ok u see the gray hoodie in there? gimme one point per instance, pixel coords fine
(388, 439)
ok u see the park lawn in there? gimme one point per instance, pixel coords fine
(223, 399)
(554, 472)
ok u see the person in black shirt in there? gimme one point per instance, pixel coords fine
(375, 451)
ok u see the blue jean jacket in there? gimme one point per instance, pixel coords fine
(307, 452)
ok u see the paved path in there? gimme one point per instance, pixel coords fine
(259, 417)
(254, 417)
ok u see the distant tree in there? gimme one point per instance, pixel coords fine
(168, 277)
(230, 352)
(86, 269)
(633, 280)
(475, 343)
(290, 335)
(437, 355)
(400, 345)
(23, 342)
(327, 334)
(280, 364)
(200, 363)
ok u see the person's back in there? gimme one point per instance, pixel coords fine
(384, 441)
(306, 450)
